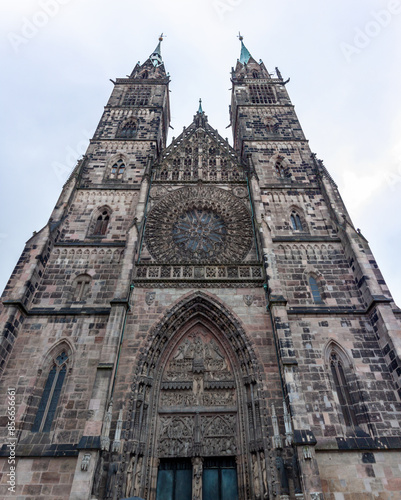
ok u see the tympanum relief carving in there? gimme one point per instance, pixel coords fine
(197, 405)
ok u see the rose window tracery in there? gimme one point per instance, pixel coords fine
(200, 232)
(199, 224)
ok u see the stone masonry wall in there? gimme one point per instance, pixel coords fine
(360, 475)
(39, 478)
(30, 362)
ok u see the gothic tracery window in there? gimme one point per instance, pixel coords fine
(280, 170)
(117, 170)
(342, 389)
(128, 130)
(102, 222)
(51, 394)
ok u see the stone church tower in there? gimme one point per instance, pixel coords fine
(199, 321)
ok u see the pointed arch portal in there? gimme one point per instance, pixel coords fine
(196, 421)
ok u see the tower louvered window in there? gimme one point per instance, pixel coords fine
(51, 394)
(137, 96)
(262, 94)
(342, 389)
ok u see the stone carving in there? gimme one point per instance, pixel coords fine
(157, 192)
(85, 462)
(218, 435)
(150, 297)
(176, 436)
(130, 470)
(240, 192)
(197, 478)
(111, 479)
(256, 476)
(199, 224)
(197, 376)
(105, 437)
(138, 475)
(248, 299)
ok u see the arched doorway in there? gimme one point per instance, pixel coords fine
(196, 427)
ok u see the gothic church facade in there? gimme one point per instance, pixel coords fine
(200, 321)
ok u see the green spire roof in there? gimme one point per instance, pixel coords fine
(156, 56)
(245, 54)
(200, 110)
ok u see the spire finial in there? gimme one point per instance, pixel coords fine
(245, 54)
(200, 110)
(156, 56)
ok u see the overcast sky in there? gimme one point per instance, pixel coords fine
(343, 59)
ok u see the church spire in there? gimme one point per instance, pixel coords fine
(245, 54)
(200, 110)
(156, 56)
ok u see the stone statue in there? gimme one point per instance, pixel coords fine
(138, 475)
(256, 476)
(197, 481)
(129, 478)
(111, 480)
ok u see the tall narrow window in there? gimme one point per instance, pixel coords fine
(317, 299)
(296, 221)
(128, 131)
(102, 222)
(81, 288)
(342, 389)
(280, 170)
(51, 394)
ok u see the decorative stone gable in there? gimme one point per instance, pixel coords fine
(199, 153)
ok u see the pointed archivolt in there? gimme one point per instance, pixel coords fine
(196, 394)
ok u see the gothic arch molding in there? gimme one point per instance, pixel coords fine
(209, 323)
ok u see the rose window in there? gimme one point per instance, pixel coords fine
(199, 224)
